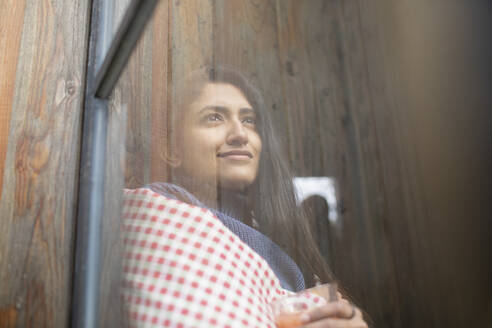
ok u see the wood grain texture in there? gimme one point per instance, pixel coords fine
(312, 84)
(161, 33)
(10, 38)
(191, 33)
(398, 216)
(366, 167)
(434, 203)
(245, 39)
(313, 90)
(40, 175)
(326, 92)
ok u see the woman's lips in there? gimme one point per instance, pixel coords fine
(236, 154)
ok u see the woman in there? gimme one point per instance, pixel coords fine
(224, 157)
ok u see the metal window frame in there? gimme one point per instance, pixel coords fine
(100, 83)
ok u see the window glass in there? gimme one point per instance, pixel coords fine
(255, 149)
(236, 108)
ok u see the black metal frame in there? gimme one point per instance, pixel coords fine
(99, 85)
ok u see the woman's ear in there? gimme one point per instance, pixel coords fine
(172, 160)
(171, 154)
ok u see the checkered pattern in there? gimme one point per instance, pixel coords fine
(184, 268)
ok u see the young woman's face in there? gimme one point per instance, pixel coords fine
(220, 140)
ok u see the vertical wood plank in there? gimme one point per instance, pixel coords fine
(191, 33)
(40, 175)
(402, 208)
(160, 61)
(367, 154)
(10, 38)
(312, 80)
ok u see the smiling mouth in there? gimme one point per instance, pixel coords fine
(239, 154)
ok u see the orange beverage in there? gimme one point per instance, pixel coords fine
(288, 320)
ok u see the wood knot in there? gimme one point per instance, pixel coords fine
(71, 87)
(64, 89)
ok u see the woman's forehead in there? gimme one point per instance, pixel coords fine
(222, 94)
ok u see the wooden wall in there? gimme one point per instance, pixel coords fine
(331, 73)
(43, 46)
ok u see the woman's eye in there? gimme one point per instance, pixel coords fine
(214, 117)
(249, 120)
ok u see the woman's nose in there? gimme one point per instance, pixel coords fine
(237, 134)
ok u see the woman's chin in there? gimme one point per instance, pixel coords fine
(235, 184)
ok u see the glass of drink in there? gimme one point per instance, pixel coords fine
(289, 309)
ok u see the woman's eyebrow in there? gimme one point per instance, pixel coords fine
(220, 109)
(224, 110)
(247, 110)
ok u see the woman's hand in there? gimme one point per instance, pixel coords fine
(339, 314)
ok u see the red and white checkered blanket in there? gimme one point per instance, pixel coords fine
(184, 268)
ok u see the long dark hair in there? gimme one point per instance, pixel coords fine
(273, 196)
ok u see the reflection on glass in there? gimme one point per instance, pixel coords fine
(223, 237)
(111, 15)
(322, 186)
